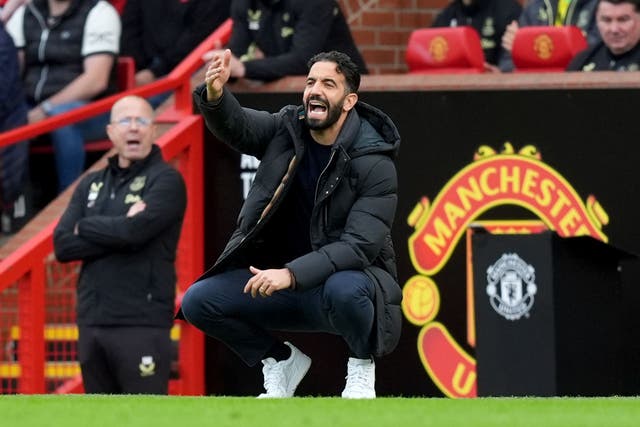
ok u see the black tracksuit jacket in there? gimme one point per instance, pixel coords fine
(128, 275)
(289, 33)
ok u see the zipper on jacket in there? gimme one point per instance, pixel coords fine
(41, 81)
(315, 198)
(42, 45)
(572, 9)
(551, 16)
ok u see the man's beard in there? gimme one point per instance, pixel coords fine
(333, 114)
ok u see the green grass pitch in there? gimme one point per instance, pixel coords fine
(160, 411)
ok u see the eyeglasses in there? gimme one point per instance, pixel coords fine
(142, 122)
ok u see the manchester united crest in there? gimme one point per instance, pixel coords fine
(511, 287)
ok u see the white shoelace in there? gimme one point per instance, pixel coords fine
(273, 379)
(358, 378)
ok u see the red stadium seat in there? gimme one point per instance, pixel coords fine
(543, 48)
(118, 4)
(445, 50)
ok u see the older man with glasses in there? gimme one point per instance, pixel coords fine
(123, 223)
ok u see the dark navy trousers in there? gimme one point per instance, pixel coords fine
(343, 306)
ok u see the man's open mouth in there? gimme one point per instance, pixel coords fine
(316, 109)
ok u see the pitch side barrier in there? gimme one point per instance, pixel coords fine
(508, 153)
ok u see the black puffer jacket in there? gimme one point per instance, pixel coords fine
(355, 202)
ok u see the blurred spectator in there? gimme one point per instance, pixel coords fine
(13, 158)
(123, 222)
(619, 50)
(159, 34)
(8, 8)
(489, 18)
(68, 50)
(580, 13)
(275, 38)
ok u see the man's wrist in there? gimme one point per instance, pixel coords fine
(293, 279)
(47, 107)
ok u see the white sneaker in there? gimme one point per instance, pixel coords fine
(361, 379)
(282, 378)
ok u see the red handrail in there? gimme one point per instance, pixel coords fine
(179, 80)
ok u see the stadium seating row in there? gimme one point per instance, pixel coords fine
(458, 49)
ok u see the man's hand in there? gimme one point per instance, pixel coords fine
(136, 208)
(509, 35)
(218, 73)
(36, 114)
(266, 282)
(236, 66)
(144, 77)
(489, 68)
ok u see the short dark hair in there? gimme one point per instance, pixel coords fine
(635, 3)
(344, 65)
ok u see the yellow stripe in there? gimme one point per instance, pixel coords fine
(9, 370)
(61, 370)
(52, 370)
(69, 332)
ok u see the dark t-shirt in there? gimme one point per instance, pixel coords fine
(286, 236)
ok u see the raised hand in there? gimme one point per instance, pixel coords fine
(509, 35)
(217, 74)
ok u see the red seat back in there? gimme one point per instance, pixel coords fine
(126, 73)
(546, 48)
(445, 50)
(118, 4)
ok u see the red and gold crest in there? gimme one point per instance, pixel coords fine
(492, 179)
(543, 45)
(438, 48)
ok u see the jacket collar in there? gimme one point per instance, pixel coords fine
(43, 7)
(366, 129)
(154, 156)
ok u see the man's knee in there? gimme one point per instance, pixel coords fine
(348, 287)
(193, 304)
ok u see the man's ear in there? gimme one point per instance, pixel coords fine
(350, 101)
(109, 129)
